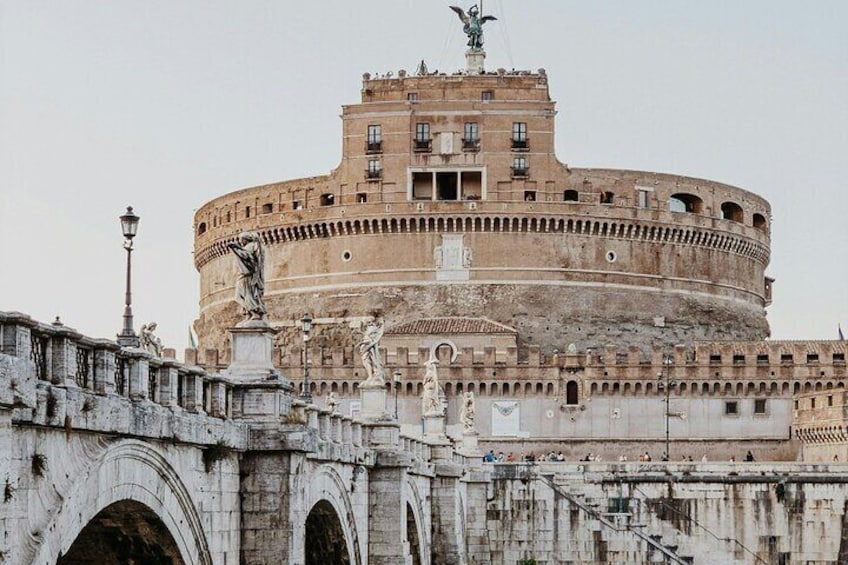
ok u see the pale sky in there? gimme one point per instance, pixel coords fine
(165, 104)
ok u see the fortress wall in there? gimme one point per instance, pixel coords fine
(711, 513)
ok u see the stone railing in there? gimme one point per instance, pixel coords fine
(72, 380)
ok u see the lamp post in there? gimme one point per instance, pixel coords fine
(665, 381)
(306, 326)
(396, 375)
(129, 225)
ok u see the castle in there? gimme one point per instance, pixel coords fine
(616, 312)
(558, 295)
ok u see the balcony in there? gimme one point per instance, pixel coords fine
(374, 147)
(471, 144)
(520, 172)
(374, 174)
(520, 144)
(423, 145)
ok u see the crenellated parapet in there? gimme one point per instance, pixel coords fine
(700, 369)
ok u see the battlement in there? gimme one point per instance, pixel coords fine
(501, 85)
(703, 368)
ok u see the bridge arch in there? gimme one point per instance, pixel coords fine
(415, 521)
(327, 495)
(131, 474)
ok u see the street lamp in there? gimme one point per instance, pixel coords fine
(129, 225)
(306, 326)
(666, 382)
(396, 375)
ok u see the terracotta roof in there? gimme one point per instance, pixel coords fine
(437, 326)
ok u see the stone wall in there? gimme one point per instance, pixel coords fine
(697, 513)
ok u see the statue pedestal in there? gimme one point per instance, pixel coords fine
(434, 426)
(474, 59)
(373, 397)
(259, 390)
(469, 444)
(253, 350)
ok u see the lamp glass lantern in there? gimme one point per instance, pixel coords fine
(306, 324)
(129, 223)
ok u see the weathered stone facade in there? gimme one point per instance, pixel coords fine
(113, 455)
(450, 200)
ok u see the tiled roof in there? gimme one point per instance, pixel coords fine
(438, 326)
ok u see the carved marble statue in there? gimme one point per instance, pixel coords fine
(466, 415)
(473, 25)
(332, 403)
(250, 288)
(149, 341)
(369, 350)
(431, 398)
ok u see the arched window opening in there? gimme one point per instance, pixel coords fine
(570, 196)
(760, 222)
(607, 197)
(731, 211)
(684, 202)
(201, 229)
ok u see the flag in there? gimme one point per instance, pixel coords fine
(839, 330)
(192, 338)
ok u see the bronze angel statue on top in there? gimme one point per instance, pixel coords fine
(473, 27)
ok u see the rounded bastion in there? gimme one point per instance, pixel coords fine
(450, 202)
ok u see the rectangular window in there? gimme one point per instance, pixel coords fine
(375, 169)
(487, 95)
(267, 208)
(812, 357)
(374, 140)
(519, 131)
(839, 358)
(759, 406)
(812, 403)
(297, 205)
(786, 358)
(519, 167)
(328, 199)
(731, 408)
(247, 211)
(422, 136)
(762, 359)
(830, 400)
(715, 359)
(361, 197)
(471, 137)
(642, 198)
(738, 359)
(618, 505)
(412, 96)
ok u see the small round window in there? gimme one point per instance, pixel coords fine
(611, 256)
(346, 256)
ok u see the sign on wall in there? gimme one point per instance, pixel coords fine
(506, 418)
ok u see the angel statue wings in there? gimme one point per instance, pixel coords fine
(473, 27)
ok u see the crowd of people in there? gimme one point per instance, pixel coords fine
(552, 456)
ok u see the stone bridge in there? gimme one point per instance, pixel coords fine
(111, 455)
